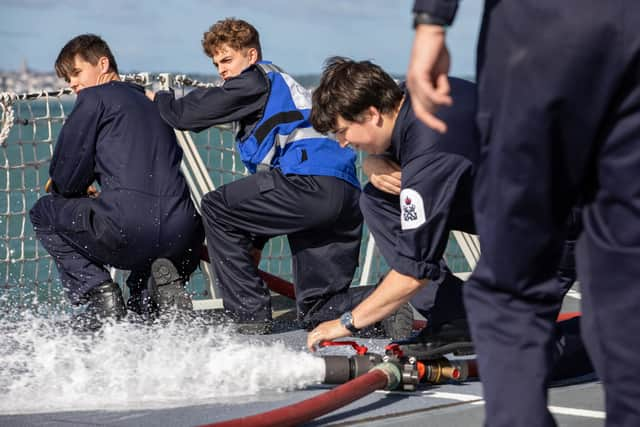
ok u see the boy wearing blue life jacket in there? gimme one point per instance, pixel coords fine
(302, 185)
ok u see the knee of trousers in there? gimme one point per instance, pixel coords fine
(211, 205)
(41, 213)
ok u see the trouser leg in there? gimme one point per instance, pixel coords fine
(324, 262)
(441, 301)
(609, 250)
(269, 204)
(245, 296)
(79, 270)
(537, 122)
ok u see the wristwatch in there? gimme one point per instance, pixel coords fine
(346, 320)
(422, 18)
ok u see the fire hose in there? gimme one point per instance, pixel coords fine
(402, 367)
(358, 376)
(309, 409)
(275, 283)
(361, 374)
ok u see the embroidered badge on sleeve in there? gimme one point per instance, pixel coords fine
(411, 209)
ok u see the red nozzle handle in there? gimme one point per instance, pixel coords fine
(360, 349)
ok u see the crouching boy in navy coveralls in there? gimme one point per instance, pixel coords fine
(368, 110)
(303, 185)
(114, 136)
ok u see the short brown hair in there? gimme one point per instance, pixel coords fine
(347, 88)
(235, 33)
(90, 48)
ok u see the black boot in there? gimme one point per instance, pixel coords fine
(436, 340)
(171, 295)
(400, 324)
(105, 303)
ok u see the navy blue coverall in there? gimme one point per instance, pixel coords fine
(114, 136)
(318, 214)
(412, 230)
(559, 118)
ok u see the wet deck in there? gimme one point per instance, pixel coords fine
(577, 403)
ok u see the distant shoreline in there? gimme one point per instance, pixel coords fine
(26, 81)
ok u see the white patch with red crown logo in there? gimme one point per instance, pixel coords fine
(411, 209)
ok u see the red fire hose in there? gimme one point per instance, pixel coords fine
(314, 407)
(278, 285)
(274, 283)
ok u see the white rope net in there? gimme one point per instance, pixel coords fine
(29, 127)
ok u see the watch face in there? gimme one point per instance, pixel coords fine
(346, 320)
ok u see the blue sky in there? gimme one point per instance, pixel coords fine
(164, 35)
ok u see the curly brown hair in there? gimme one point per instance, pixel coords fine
(235, 33)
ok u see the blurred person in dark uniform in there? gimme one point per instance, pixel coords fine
(559, 123)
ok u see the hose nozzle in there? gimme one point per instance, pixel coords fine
(441, 370)
(340, 369)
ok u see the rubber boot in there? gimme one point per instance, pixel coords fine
(437, 340)
(142, 303)
(105, 303)
(171, 295)
(400, 324)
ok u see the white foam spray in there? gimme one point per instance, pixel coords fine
(47, 368)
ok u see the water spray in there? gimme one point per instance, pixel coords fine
(358, 376)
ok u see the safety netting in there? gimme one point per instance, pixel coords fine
(30, 123)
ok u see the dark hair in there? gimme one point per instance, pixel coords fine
(347, 88)
(90, 48)
(236, 33)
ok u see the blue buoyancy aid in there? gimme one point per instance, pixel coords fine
(285, 139)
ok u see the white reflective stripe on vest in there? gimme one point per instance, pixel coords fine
(283, 140)
(270, 68)
(297, 135)
(301, 96)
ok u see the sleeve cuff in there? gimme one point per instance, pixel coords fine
(441, 11)
(417, 269)
(163, 93)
